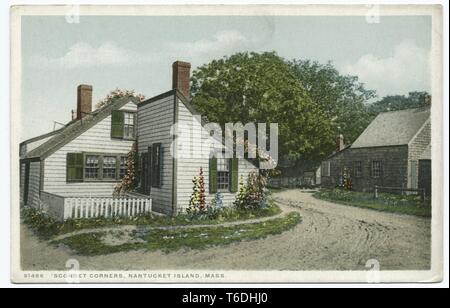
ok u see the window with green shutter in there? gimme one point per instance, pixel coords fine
(223, 175)
(123, 124)
(75, 165)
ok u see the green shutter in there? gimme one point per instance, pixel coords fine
(160, 171)
(213, 175)
(234, 176)
(75, 165)
(149, 174)
(117, 124)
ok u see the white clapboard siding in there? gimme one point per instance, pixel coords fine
(34, 184)
(187, 168)
(154, 124)
(97, 139)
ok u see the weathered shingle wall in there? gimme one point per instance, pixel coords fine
(395, 167)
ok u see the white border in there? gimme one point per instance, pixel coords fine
(353, 276)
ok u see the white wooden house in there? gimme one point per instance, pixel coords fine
(85, 158)
(166, 175)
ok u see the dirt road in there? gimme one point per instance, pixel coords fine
(331, 237)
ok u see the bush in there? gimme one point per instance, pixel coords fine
(41, 223)
(253, 194)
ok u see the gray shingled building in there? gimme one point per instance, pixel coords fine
(393, 151)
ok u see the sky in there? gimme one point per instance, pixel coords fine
(130, 52)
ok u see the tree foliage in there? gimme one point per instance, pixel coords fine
(398, 102)
(252, 87)
(342, 98)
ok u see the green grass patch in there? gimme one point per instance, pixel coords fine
(400, 204)
(172, 240)
(46, 227)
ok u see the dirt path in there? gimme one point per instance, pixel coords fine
(331, 237)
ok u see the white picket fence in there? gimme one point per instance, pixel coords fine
(79, 208)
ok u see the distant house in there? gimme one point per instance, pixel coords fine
(167, 177)
(393, 151)
(84, 158)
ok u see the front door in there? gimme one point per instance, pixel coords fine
(146, 172)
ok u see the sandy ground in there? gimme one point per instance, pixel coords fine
(331, 237)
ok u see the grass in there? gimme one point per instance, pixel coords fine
(46, 227)
(91, 244)
(408, 204)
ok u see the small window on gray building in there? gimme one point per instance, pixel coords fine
(326, 168)
(357, 169)
(377, 168)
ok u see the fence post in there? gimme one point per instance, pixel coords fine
(376, 192)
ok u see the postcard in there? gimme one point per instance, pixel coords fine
(226, 144)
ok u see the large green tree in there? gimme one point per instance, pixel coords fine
(341, 97)
(253, 87)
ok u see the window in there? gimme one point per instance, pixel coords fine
(223, 174)
(91, 169)
(326, 168)
(357, 169)
(128, 125)
(413, 174)
(109, 167)
(123, 124)
(122, 167)
(95, 167)
(376, 168)
(156, 170)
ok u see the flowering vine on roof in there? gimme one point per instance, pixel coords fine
(118, 93)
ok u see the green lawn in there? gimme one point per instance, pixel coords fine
(410, 205)
(46, 227)
(171, 240)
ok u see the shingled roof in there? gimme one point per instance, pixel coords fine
(76, 127)
(393, 128)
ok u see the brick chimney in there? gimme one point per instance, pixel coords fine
(180, 77)
(340, 143)
(84, 100)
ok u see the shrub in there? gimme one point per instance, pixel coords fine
(253, 194)
(41, 223)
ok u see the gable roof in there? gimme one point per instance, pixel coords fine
(43, 136)
(75, 128)
(393, 128)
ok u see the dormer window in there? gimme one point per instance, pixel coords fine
(123, 124)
